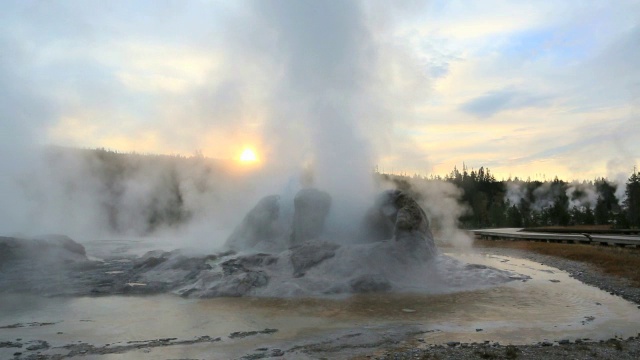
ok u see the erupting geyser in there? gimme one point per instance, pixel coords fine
(301, 260)
(272, 255)
(394, 216)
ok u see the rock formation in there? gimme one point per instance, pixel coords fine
(43, 264)
(44, 249)
(399, 255)
(260, 229)
(395, 215)
(310, 254)
(259, 225)
(399, 240)
(311, 207)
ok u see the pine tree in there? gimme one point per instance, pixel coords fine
(559, 212)
(514, 217)
(632, 202)
(602, 212)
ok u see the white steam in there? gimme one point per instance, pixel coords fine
(544, 196)
(618, 171)
(515, 192)
(582, 195)
(316, 76)
(441, 200)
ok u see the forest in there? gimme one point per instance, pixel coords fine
(531, 203)
(140, 194)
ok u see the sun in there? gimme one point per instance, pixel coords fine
(248, 156)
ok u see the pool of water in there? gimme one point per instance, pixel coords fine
(549, 306)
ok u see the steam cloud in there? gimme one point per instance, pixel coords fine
(321, 67)
(441, 201)
(580, 194)
(325, 71)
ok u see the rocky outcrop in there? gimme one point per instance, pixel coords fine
(261, 228)
(395, 215)
(45, 265)
(231, 275)
(265, 263)
(311, 207)
(44, 249)
(259, 225)
(310, 255)
(370, 283)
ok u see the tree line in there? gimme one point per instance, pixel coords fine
(153, 190)
(533, 203)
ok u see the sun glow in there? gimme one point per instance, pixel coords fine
(248, 156)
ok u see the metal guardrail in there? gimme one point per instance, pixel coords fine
(582, 238)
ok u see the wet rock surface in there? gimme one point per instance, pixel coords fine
(614, 348)
(41, 264)
(403, 245)
(311, 208)
(308, 255)
(610, 349)
(259, 225)
(314, 266)
(396, 215)
(581, 271)
(50, 249)
(370, 283)
(391, 344)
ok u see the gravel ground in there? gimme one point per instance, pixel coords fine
(610, 349)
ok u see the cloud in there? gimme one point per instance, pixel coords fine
(416, 77)
(494, 102)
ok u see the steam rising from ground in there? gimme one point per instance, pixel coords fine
(580, 194)
(325, 71)
(322, 125)
(441, 202)
(194, 202)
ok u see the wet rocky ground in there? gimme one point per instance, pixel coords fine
(614, 348)
(122, 274)
(610, 349)
(263, 258)
(584, 272)
(32, 349)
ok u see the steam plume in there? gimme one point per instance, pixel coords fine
(319, 78)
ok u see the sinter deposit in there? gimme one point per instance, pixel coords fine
(394, 251)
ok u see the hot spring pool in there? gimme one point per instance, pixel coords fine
(549, 306)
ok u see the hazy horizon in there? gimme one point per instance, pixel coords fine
(244, 166)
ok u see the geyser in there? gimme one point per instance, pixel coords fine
(394, 251)
(304, 260)
(394, 215)
(271, 256)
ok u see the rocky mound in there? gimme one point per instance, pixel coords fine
(50, 249)
(394, 216)
(41, 264)
(396, 252)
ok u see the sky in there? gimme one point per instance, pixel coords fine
(526, 88)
